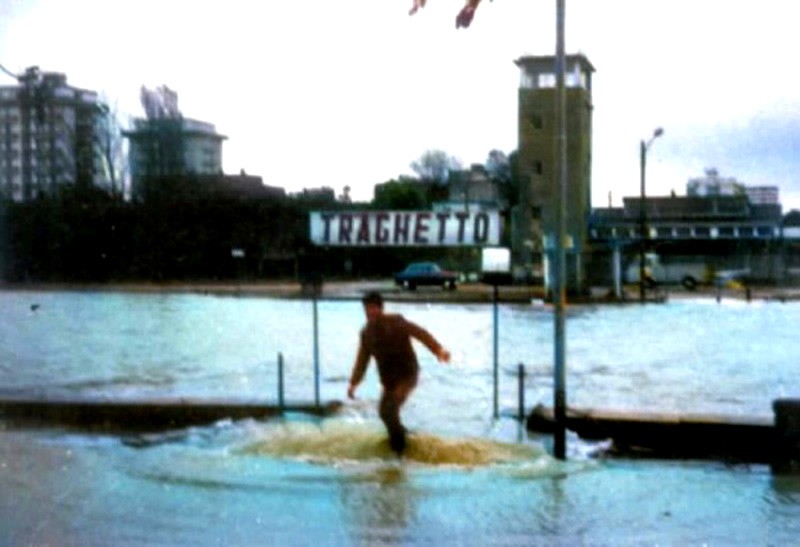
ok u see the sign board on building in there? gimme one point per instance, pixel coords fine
(496, 260)
(405, 228)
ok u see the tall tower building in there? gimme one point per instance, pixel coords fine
(47, 135)
(535, 226)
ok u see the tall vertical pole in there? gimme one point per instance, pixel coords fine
(281, 402)
(495, 354)
(644, 232)
(617, 260)
(316, 349)
(642, 220)
(521, 392)
(559, 277)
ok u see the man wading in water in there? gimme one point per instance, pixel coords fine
(387, 337)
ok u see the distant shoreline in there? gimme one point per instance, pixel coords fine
(354, 290)
(331, 290)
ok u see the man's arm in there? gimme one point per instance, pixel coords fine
(428, 340)
(359, 368)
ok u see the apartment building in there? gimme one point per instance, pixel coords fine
(47, 135)
(172, 146)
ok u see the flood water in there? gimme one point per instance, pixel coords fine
(467, 479)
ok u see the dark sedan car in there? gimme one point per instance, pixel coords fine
(425, 273)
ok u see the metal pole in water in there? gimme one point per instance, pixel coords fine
(496, 375)
(316, 349)
(280, 382)
(559, 277)
(521, 386)
(642, 221)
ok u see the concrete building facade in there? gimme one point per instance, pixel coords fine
(172, 146)
(48, 133)
(712, 184)
(763, 195)
(474, 189)
(534, 221)
(694, 236)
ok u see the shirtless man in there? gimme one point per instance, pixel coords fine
(387, 337)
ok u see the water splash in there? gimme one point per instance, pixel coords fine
(341, 441)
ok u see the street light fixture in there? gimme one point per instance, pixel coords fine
(643, 233)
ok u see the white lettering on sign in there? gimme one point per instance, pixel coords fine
(405, 228)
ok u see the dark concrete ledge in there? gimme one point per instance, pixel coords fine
(143, 415)
(669, 436)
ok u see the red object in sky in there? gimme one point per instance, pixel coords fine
(417, 4)
(464, 17)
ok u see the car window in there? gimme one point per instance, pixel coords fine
(422, 268)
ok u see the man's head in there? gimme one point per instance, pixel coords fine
(373, 305)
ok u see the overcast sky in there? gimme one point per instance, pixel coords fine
(332, 93)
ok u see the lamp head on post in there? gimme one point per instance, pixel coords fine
(643, 235)
(657, 133)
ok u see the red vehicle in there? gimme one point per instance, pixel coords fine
(425, 273)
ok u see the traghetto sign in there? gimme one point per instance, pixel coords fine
(405, 228)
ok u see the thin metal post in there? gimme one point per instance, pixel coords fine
(642, 219)
(521, 388)
(496, 365)
(644, 232)
(281, 405)
(316, 349)
(617, 259)
(559, 277)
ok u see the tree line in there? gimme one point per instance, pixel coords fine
(193, 229)
(88, 235)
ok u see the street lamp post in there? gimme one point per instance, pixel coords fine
(559, 269)
(643, 232)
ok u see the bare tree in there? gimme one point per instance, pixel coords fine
(111, 146)
(498, 165)
(435, 166)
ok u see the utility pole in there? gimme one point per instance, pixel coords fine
(559, 277)
(643, 231)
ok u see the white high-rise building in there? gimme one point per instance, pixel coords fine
(174, 146)
(47, 135)
(167, 144)
(763, 195)
(712, 184)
